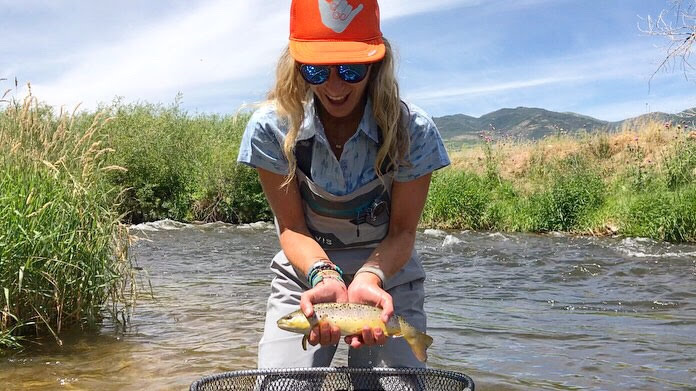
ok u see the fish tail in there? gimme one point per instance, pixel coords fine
(417, 340)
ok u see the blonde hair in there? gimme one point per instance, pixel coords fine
(291, 92)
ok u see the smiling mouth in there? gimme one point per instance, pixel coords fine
(337, 100)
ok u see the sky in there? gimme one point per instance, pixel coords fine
(454, 56)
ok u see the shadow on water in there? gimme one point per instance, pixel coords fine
(514, 312)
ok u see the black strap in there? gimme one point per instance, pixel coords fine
(303, 156)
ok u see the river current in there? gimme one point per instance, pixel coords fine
(513, 311)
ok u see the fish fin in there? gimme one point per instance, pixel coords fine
(417, 340)
(304, 342)
(313, 320)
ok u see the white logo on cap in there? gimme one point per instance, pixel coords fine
(337, 14)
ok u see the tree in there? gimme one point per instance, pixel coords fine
(676, 24)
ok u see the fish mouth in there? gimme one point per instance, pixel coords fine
(283, 325)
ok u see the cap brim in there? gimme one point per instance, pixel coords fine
(330, 53)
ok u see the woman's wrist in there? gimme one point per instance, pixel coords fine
(374, 271)
(324, 275)
(323, 269)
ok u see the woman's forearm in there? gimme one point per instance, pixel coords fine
(393, 252)
(408, 200)
(301, 249)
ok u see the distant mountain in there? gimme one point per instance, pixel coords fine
(526, 123)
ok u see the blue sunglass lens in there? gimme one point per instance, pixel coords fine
(318, 74)
(352, 73)
(315, 74)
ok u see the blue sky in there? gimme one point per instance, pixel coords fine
(454, 56)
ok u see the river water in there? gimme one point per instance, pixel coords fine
(513, 311)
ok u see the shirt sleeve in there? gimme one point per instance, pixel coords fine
(427, 151)
(261, 143)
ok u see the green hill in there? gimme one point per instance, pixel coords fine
(527, 123)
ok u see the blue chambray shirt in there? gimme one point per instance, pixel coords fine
(264, 135)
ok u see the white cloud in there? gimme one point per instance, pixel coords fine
(217, 42)
(447, 93)
(220, 41)
(601, 64)
(390, 9)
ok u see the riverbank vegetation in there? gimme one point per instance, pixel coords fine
(638, 181)
(70, 181)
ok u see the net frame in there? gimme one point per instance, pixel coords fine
(335, 379)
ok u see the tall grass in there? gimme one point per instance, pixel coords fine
(457, 200)
(63, 251)
(572, 192)
(69, 180)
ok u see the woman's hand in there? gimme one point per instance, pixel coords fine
(328, 290)
(366, 289)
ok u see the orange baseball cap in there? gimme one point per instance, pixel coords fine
(327, 32)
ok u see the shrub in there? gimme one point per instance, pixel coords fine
(160, 147)
(457, 200)
(228, 191)
(182, 166)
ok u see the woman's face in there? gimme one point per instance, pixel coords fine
(340, 99)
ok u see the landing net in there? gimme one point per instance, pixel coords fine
(335, 379)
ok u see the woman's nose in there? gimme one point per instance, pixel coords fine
(335, 82)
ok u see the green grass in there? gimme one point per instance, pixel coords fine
(573, 191)
(68, 183)
(457, 200)
(662, 214)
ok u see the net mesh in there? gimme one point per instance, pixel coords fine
(335, 379)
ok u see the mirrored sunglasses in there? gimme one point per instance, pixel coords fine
(318, 74)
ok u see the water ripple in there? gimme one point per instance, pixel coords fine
(514, 311)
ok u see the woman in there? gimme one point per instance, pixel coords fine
(345, 166)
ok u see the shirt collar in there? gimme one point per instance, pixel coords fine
(367, 125)
(309, 124)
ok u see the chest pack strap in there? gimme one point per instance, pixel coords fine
(303, 156)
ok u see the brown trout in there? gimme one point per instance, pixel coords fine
(351, 318)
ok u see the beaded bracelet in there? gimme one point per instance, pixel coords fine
(324, 274)
(320, 266)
